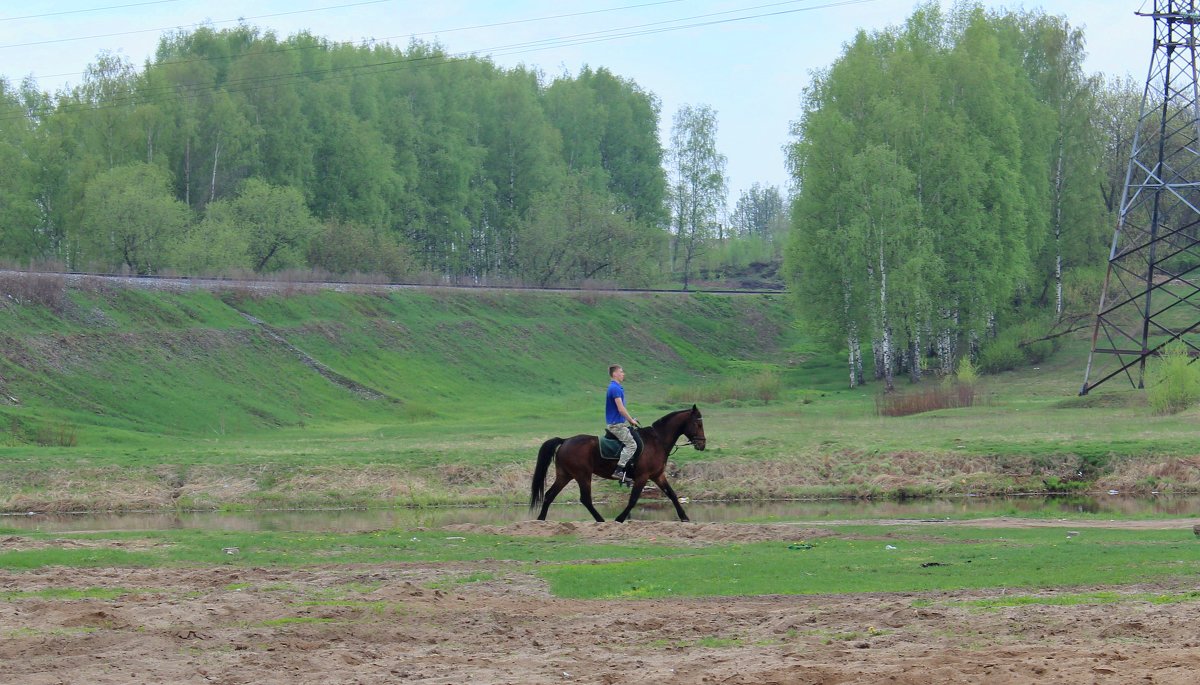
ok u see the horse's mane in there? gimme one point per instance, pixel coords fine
(668, 417)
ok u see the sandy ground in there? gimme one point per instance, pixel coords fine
(385, 624)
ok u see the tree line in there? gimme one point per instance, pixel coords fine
(950, 176)
(236, 150)
(951, 173)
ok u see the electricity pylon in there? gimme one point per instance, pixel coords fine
(1151, 293)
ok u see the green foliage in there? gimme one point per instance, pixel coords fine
(572, 234)
(1172, 380)
(698, 186)
(945, 167)
(437, 168)
(348, 248)
(760, 211)
(1001, 354)
(129, 217)
(20, 218)
(966, 373)
(1019, 344)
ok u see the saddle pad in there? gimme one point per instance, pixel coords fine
(610, 447)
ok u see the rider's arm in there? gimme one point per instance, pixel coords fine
(624, 412)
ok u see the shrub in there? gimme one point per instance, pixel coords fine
(1001, 354)
(1173, 382)
(1019, 344)
(966, 374)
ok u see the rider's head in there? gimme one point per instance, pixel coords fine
(615, 369)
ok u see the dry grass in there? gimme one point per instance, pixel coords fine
(109, 489)
(46, 289)
(925, 398)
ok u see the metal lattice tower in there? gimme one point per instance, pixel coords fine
(1151, 293)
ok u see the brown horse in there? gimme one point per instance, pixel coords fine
(578, 459)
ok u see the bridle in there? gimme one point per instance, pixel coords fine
(690, 442)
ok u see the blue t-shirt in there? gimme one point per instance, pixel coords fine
(611, 415)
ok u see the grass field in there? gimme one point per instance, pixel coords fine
(841, 559)
(119, 399)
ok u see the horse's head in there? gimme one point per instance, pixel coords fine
(694, 429)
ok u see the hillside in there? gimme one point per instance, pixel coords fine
(96, 363)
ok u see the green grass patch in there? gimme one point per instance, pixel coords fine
(859, 559)
(959, 559)
(1069, 599)
(477, 577)
(59, 593)
(283, 549)
(378, 607)
(295, 621)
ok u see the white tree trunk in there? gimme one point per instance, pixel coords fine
(212, 192)
(914, 352)
(886, 330)
(854, 357)
(852, 342)
(187, 172)
(945, 341)
(1058, 185)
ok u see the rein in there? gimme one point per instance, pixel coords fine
(676, 446)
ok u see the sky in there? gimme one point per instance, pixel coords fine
(749, 60)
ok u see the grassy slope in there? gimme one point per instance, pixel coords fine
(125, 364)
(180, 400)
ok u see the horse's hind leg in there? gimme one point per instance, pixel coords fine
(585, 497)
(663, 485)
(560, 482)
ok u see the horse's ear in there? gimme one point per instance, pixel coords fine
(695, 408)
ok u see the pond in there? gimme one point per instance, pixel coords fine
(353, 520)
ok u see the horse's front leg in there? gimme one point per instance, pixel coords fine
(638, 484)
(663, 485)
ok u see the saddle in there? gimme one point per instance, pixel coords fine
(610, 447)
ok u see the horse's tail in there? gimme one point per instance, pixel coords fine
(545, 456)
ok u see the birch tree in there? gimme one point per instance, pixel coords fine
(697, 173)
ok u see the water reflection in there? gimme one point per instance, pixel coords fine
(375, 519)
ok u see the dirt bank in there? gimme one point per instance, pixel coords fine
(413, 623)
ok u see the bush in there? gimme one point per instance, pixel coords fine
(1010, 349)
(1001, 354)
(1172, 381)
(966, 374)
(1037, 352)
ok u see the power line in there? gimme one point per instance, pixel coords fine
(428, 33)
(150, 96)
(170, 28)
(562, 41)
(93, 9)
(529, 46)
